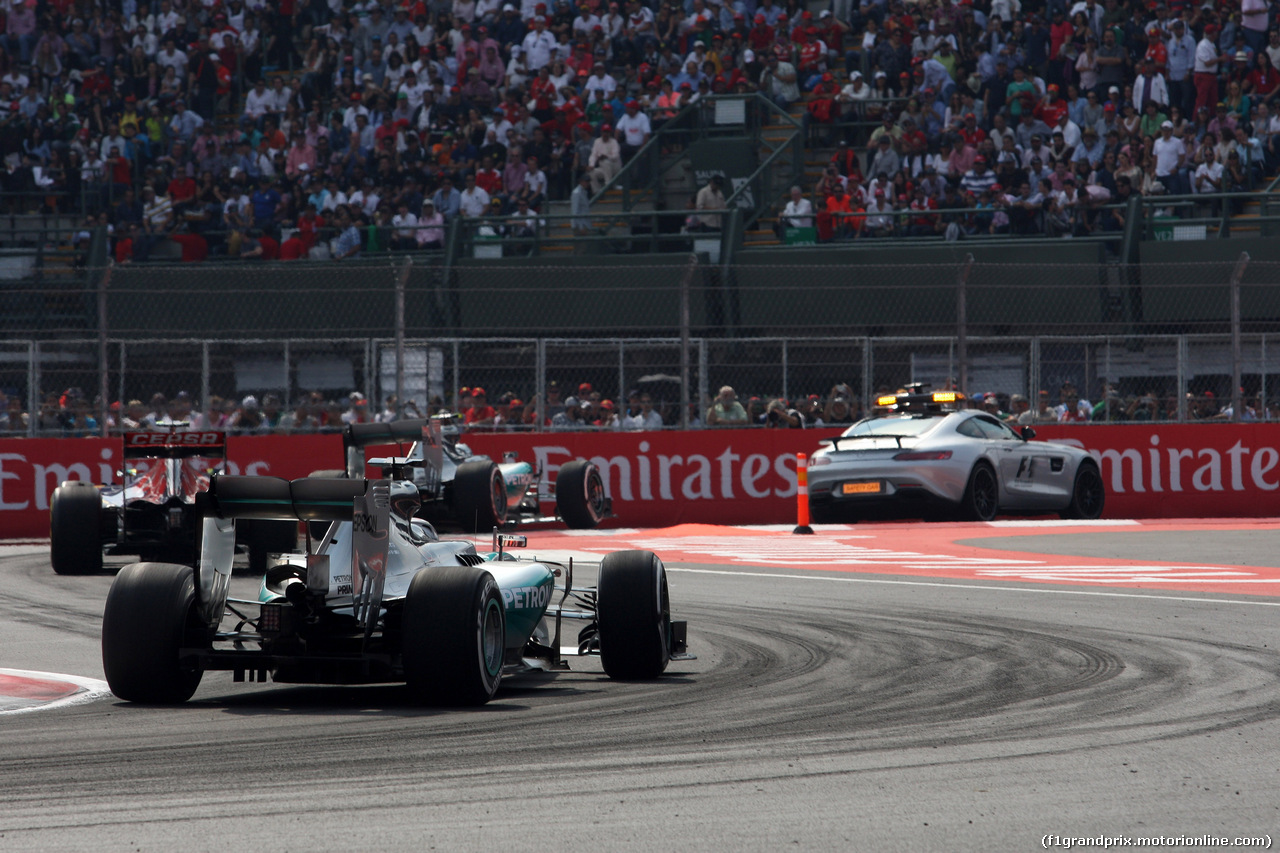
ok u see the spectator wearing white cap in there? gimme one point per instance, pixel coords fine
(1171, 156)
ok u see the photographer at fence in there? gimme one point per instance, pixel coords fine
(779, 415)
(725, 410)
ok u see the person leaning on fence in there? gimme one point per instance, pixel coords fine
(797, 214)
(779, 415)
(725, 410)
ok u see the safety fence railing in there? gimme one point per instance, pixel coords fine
(310, 383)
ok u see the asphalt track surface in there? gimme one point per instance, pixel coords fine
(886, 702)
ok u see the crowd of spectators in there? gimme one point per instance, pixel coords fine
(263, 128)
(73, 414)
(1037, 118)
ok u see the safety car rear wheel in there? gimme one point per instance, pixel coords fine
(1088, 494)
(149, 617)
(75, 529)
(981, 499)
(455, 630)
(580, 497)
(633, 615)
(479, 496)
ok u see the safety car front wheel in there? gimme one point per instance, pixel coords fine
(981, 499)
(580, 497)
(75, 529)
(455, 632)
(633, 615)
(149, 617)
(1088, 494)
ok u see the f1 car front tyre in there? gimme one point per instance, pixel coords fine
(981, 499)
(633, 615)
(150, 616)
(1088, 494)
(455, 634)
(479, 496)
(75, 525)
(580, 497)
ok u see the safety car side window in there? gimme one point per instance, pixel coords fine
(970, 429)
(994, 429)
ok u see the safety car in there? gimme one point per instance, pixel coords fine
(922, 455)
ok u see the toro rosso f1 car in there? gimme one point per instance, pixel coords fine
(458, 486)
(150, 514)
(377, 598)
(921, 456)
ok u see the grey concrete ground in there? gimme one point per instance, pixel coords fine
(826, 711)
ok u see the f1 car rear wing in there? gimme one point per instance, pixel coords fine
(158, 444)
(366, 503)
(359, 436)
(307, 499)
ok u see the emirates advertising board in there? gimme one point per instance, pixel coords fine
(734, 476)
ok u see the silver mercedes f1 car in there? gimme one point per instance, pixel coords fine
(920, 456)
(460, 487)
(376, 597)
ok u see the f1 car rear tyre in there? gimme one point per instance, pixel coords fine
(580, 497)
(455, 634)
(633, 615)
(981, 499)
(151, 615)
(1088, 494)
(479, 496)
(328, 474)
(75, 529)
(263, 537)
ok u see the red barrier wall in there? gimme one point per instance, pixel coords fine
(724, 476)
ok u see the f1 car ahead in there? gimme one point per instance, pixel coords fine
(152, 513)
(920, 458)
(379, 597)
(473, 491)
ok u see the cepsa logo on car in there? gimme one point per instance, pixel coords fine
(174, 439)
(530, 597)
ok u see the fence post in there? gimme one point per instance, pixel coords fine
(686, 280)
(402, 281)
(103, 369)
(1236, 275)
(962, 323)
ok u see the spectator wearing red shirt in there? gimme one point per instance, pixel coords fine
(182, 190)
(480, 413)
(488, 178)
(1051, 108)
(974, 135)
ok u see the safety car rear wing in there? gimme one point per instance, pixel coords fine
(158, 444)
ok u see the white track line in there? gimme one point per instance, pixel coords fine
(961, 585)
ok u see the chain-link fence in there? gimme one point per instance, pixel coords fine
(676, 330)
(1186, 377)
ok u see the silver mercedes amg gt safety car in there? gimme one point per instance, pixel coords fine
(920, 456)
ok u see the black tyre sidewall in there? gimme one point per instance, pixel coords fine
(633, 615)
(444, 648)
(150, 614)
(970, 507)
(573, 494)
(474, 496)
(75, 530)
(1074, 509)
